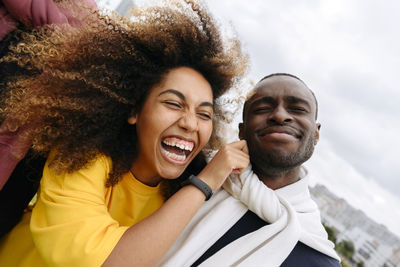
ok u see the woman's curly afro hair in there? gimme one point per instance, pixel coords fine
(86, 81)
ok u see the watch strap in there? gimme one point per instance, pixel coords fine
(197, 182)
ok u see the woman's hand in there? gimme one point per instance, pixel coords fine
(231, 158)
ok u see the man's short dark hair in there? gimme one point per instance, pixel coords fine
(282, 74)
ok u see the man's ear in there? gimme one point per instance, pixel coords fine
(317, 133)
(132, 118)
(241, 134)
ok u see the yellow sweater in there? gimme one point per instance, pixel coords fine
(77, 221)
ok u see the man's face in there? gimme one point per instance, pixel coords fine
(279, 124)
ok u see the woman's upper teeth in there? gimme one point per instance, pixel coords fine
(182, 144)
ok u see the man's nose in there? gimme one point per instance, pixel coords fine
(280, 115)
(189, 122)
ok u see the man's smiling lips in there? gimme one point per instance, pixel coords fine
(279, 133)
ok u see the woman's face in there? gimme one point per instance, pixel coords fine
(174, 124)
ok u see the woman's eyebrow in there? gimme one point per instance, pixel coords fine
(206, 104)
(182, 96)
(175, 92)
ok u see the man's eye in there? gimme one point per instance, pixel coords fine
(261, 110)
(298, 109)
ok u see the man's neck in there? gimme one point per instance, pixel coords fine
(279, 179)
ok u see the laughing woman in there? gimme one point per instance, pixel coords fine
(122, 107)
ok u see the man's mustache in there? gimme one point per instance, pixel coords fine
(287, 129)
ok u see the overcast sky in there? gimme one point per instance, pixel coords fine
(348, 53)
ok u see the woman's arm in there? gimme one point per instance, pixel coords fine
(146, 242)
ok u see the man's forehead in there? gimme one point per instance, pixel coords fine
(281, 86)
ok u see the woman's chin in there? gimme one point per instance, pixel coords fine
(171, 174)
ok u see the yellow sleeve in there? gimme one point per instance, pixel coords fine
(70, 223)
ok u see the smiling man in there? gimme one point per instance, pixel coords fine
(268, 217)
(279, 125)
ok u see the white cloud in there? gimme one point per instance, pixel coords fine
(327, 168)
(347, 52)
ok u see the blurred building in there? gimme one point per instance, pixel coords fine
(121, 6)
(374, 244)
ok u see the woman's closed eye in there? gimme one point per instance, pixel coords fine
(173, 104)
(205, 115)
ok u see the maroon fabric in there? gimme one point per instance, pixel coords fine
(7, 22)
(7, 163)
(13, 148)
(31, 13)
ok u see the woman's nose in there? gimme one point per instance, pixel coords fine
(189, 122)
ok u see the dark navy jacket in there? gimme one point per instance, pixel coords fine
(301, 255)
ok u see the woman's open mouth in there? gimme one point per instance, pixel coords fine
(176, 150)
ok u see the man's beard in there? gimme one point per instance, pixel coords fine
(271, 163)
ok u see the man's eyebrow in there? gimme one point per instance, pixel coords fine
(182, 96)
(265, 99)
(295, 100)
